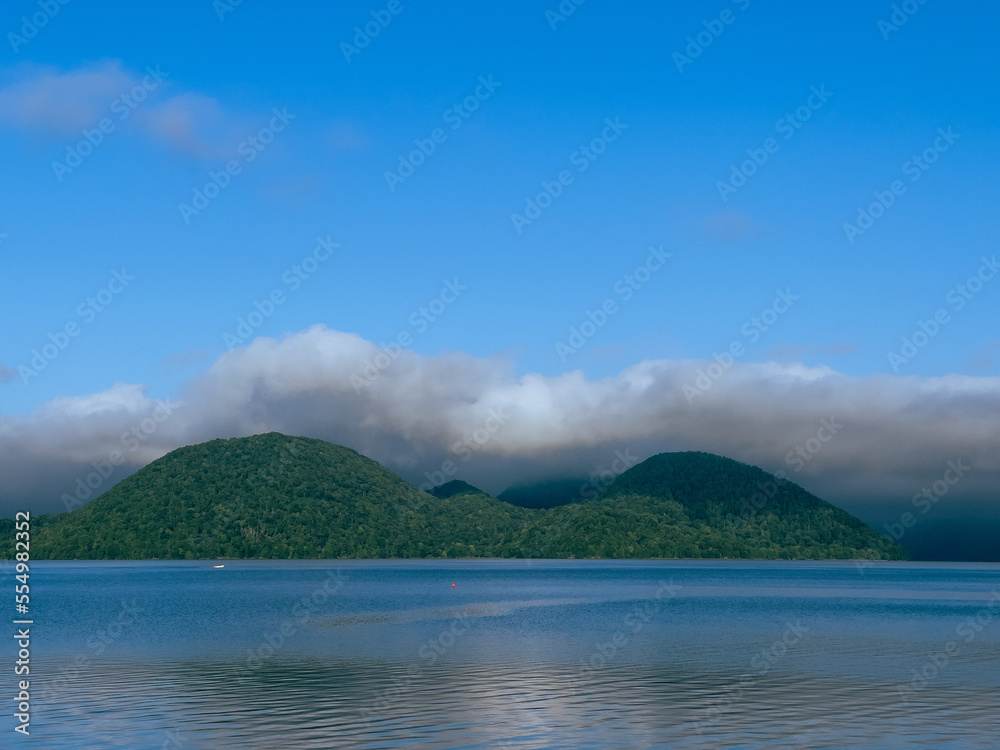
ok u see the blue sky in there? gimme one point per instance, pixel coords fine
(866, 98)
(655, 184)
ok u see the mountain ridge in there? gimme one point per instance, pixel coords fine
(275, 496)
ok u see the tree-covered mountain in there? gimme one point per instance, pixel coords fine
(743, 511)
(274, 496)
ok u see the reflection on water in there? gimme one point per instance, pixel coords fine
(542, 656)
(481, 609)
(324, 704)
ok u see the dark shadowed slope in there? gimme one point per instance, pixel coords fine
(455, 487)
(548, 494)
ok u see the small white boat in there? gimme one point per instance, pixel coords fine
(218, 566)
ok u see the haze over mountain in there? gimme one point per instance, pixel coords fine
(548, 494)
(892, 445)
(274, 496)
(454, 487)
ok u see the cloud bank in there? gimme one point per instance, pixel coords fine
(860, 442)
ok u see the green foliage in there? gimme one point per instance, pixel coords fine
(625, 526)
(742, 511)
(274, 496)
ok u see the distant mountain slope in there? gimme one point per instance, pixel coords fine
(455, 487)
(274, 496)
(546, 494)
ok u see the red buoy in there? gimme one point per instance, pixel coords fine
(453, 585)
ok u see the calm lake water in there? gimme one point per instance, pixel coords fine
(517, 654)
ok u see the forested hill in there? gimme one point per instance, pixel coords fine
(275, 496)
(752, 510)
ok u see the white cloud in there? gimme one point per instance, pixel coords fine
(192, 124)
(897, 433)
(120, 398)
(61, 104)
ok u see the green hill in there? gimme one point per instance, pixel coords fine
(274, 496)
(743, 511)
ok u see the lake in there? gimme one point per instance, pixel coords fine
(511, 654)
